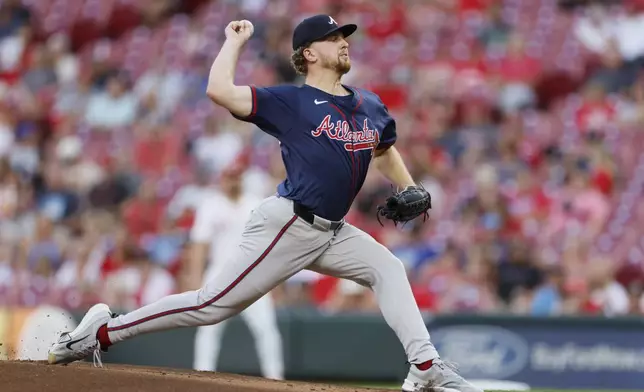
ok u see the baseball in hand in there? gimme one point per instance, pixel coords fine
(240, 30)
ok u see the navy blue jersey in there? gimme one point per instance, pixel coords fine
(327, 141)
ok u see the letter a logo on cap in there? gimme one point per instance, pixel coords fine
(332, 21)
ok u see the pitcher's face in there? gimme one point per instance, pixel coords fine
(331, 53)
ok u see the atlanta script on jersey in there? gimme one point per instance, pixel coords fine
(363, 139)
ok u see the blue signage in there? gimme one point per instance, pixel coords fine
(543, 357)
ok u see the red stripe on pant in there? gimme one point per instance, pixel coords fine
(218, 296)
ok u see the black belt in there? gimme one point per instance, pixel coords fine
(309, 217)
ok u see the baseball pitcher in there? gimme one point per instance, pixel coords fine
(214, 236)
(329, 135)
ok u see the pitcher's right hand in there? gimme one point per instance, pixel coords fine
(239, 31)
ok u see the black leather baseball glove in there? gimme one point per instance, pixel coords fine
(406, 205)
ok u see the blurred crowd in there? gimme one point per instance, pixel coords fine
(521, 117)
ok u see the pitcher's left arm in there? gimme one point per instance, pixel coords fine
(389, 162)
(386, 157)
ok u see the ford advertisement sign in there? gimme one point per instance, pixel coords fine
(545, 357)
(483, 352)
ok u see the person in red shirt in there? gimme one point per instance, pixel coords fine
(596, 112)
(517, 66)
(144, 214)
(156, 149)
(601, 164)
(471, 72)
(115, 256)
(516, 73)
(529, 205)
(389, 18)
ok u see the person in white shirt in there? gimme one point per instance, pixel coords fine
(190, 195)
(608, 295)
(115, 107)
(594, 28)
(219, 223)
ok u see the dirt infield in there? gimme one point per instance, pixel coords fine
(18, 376)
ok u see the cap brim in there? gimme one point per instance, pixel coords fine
(346, 30)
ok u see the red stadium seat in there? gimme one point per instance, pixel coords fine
(122, 19)
(84, 32)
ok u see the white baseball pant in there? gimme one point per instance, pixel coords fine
(275, 245)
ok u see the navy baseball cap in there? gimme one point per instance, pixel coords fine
(318, 27)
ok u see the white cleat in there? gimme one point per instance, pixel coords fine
(82, 341)
(440, 377)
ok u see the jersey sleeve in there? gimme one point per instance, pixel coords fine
(203, 228)
(389, 135)
(274, 109)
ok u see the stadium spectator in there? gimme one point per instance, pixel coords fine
(43, 253)
(117, 186)
(548, 299)
(144, 214)
(9, 192)
(114, 107)
(605, 295)
(159, 90)
(219, 144)
(518, 274)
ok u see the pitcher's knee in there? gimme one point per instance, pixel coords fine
(390, 269)
(208, 312)
(398, 268)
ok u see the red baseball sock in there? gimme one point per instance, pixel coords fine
(425, 365)
(103, 337)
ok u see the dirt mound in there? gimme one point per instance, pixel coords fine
(26, 376)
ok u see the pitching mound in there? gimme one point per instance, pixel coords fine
(18, 376)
